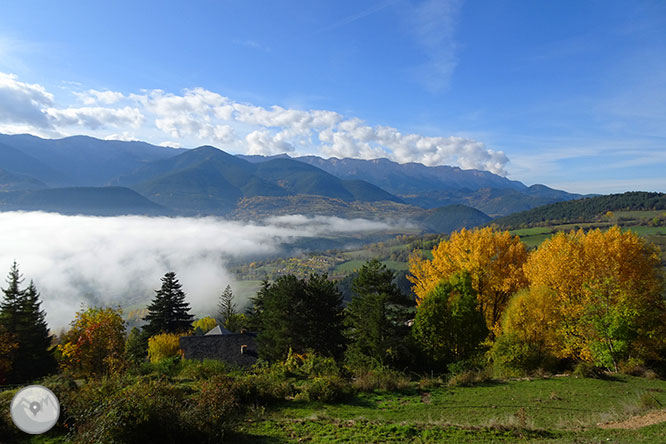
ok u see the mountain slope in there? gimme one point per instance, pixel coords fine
(205, 180)
(15, 182)
(433, 187)
(584, 210)
(451, 218)
(410, 177)
(81, 200)
(82, 160)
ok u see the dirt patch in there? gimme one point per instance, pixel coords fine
(637, 422)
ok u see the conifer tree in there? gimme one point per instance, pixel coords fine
(227, 306)
(377, 314)
(168, 311)
(21, 315)
(298, 315)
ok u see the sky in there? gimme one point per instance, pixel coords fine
(571, 94)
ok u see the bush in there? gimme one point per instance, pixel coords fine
(326, 389)
(193, 369)
(262, 388)
(133, 413)
(7, 428)
(380, 379)
(169, 367)
(585, 369)
(310, 365)
(515, 357)
(468, 378)
(213, 408)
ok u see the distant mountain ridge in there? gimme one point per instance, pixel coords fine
(433, 187)
(207, 180)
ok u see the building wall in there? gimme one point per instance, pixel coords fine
(223, 347)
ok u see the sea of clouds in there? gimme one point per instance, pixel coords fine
(90, 260)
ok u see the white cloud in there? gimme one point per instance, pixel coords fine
(94, 97)
(23, 102)
(95, 117)
(198, 116)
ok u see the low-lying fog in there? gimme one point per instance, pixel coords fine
(116, 260)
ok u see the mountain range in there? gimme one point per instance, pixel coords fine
(82, 174)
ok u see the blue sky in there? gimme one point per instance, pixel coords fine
(569, 94)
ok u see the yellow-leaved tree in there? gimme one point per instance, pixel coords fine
(204, 325)
(163, 346)
(493, 259)
(607, 291)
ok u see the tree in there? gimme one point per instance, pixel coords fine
(204, 325)
(298, 315)
(607, 291)
(449, 325)
(8, 346)
(168, 311)
(163, 346)
(376, 318)
(136, 346)
(227, 307)
(493, 259)
(95, 343)
(529, 336)
(22, 317)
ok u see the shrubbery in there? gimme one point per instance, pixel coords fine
(326, 389)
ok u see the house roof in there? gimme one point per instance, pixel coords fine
(218, 331)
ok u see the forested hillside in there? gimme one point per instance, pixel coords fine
(583, 210)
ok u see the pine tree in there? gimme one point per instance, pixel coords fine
(298, 315)
(168, 311)
(21, 315)
(227, 307)
(10, 308)
(377, 314)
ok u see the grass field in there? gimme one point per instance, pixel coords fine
(553, 410)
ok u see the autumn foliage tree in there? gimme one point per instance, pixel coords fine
(493, 259)
(95, 343)
(607, 292)
(163, 346)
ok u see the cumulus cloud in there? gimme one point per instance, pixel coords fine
(95, 117)
(94, 97)
(274, 130)
(120, 260)
(198, 116)
(23, 102)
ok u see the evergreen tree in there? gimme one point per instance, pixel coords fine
(227, 307)
(376, 318)
(10, 308)
(298, 315)
(136, 346)
(168, 311)
(21, 315)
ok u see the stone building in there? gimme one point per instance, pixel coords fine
(234, 348)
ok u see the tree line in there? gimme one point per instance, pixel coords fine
(592, 297)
